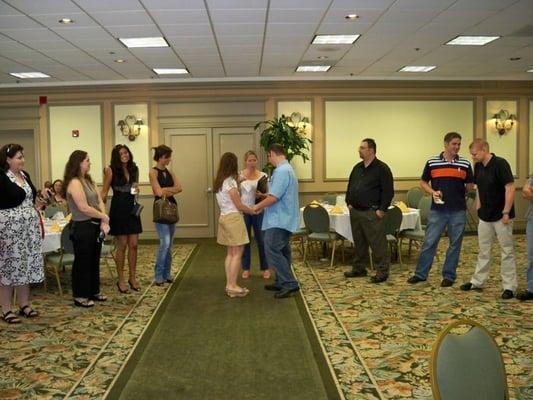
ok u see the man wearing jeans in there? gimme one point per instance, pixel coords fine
(444, 178)
(494, 203)
(527, 193)
(281, 219)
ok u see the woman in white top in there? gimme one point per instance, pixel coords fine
(231, 228)
(249, 194)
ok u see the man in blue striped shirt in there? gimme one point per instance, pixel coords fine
(446, 178)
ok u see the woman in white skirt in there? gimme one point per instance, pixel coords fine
(231, 229)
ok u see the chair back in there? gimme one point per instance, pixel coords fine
(316, 219)
(51, 210)
(424, 205)
(467, 364)
(413, 197)
(66, 243)
(330, 198)
(392, 221)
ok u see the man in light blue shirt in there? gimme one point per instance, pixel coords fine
(281, 219)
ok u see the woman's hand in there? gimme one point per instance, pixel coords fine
(104, 227)
(105, 219)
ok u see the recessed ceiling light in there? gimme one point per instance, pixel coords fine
(335, 39)
(29, 75)
(66, 21)
(472, 40)
(515, 58)
(120, 60)
(313, 68)
(170, 71)
(144, 42)
(351, 16)
(417, 68)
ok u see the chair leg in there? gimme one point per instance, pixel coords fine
(56, 272)
(333, 244)
(306, 250)
(371, 259)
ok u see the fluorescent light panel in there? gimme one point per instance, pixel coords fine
(170, 71)
(472, 40)
(529, 70)
(313, 68)
(335, 39)
(418, 68)
(29, 75)
(144, 42)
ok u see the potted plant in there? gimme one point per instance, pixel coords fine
(290, 132)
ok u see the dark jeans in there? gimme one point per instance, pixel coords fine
(255, 222)
(86, 267)
(278, 253)
(368, 231)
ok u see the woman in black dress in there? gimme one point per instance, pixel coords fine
(123, 177)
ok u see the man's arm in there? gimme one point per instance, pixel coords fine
(268, 201)
(509, 199)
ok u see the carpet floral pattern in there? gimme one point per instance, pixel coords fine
(74, 352)
(378, 338)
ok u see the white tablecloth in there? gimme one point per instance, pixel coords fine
(52, 240)
(340, 223)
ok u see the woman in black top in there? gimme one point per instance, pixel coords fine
(123, 176)
(21, 261)
(164, 184)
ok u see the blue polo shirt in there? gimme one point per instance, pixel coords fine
(285, 213)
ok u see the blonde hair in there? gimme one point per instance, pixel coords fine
(250, 153)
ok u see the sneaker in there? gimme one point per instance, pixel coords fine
(507, 294)
(415, 279)
(469, 286)
(355, 273)
(446, 282)
(526, 295)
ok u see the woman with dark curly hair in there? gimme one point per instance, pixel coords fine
(89, 225)
(123, 176)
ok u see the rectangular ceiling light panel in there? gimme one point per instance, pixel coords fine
(29, 75)
(418, 68)
(472, 40)
(144, 42)
(335, 39)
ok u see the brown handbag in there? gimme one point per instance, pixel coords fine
(165, 212)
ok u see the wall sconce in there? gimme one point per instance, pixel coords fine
(302, 124)
(503, 121)
(130, 126)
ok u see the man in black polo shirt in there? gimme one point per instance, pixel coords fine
(370, 191)
(446, 178)
(494, 202)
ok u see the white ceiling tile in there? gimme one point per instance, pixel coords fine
(8, 10)
(422, 4)
(298, 4)
(43, 7)
(366, 16)
(30, 34)
(239, 16)
(132, 31)
(121, 18)
(239, 29)
(44, 45)
(287, 16)
(106, 5)
(173, 4)
(192, 42)
(110, 44)
(493, 5)
(252, 40)
(292, 29)
(416, 17)
(343, 29)
(186, 30)
(52, 20)
(232, 4)
(175, 17)
(83, 33)
(8, 22)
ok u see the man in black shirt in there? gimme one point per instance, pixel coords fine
(494, 202)
(370, 191)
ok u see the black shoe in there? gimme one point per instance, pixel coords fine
(527, 295)
(283, 293)
(134, 288)
(446, 282)
(415, 279)
(507, 294)
(378, 278)
(469, 286)
(272, 287)
(355, 273)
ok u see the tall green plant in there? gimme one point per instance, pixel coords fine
(292, 138)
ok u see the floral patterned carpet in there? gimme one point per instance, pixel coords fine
(74, 352)
(378, 338)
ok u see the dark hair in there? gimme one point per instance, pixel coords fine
(371, 144)
(8, 151)
(450, 136)
(116, 164)
(228, 166)
(278, 149)
(73, 169)
(161, 151)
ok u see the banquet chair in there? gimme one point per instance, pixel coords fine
(471, 217)
(413, 197)
(330, 198)
(108, 254)
(417, 235)
(64, 257)
(316, 220)
(299, 236)
(467, 364)
(392, 222)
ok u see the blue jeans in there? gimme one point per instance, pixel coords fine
(255, 222)
(278, 254)
(529, 233)
(163, 261)
(437, 223)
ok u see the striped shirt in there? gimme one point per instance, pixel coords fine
(450, 178)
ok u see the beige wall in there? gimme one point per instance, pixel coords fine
(214, 105)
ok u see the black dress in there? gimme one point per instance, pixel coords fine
(121, 219)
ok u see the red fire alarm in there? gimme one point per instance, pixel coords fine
(43, 100)
(75, 133)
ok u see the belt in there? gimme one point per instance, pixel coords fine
(123, 189)
(366, 208)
